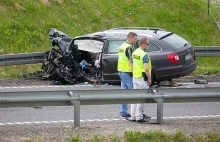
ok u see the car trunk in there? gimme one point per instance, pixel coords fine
(186, 55)
(183, 49)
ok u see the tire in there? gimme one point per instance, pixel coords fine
(49, 71)
(67, 76)
(153, 79)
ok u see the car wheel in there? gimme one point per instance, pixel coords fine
(153, 79)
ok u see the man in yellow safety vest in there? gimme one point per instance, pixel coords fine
(141, 66)
(124, 68)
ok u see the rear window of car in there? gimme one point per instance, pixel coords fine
(175, 40)
(113, 46)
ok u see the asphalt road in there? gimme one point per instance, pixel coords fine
(102, 112)
(11, 115)
(18, 124)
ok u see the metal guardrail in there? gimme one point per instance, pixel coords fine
(213, 51)
(65, 96)
(23, 58)
(38, 57)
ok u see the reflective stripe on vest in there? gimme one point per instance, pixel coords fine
(123, 62)
(138, 65)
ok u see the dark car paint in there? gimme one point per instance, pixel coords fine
(162, 68)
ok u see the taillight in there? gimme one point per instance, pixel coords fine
(173, 58)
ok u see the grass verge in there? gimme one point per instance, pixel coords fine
(149, 136)
(25, 23)
(208, 65)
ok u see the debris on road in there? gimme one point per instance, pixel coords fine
(166, 83)
(201, 81)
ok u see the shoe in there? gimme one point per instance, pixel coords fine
(125, 116)
(130, 119)
(145, 119)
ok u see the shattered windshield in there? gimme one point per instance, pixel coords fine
(89, 45)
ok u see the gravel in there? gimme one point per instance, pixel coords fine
(60, 132)
(24, 82)
(34, 82)
(210, 78)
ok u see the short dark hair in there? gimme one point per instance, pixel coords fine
(131, 34)
(144, 40)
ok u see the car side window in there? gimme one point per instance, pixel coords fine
(113, 46)
(153, 47)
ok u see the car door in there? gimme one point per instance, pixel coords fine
(110, 59)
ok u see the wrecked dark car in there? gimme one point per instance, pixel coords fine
(72, 60)
(93, 57)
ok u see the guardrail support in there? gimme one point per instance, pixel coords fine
(76, 104)
(159, 110)
(77, 113)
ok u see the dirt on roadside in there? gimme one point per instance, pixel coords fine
(39, 82)
(60, 132)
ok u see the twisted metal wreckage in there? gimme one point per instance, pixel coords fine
(70, 61)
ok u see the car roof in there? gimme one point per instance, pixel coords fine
(122, 32)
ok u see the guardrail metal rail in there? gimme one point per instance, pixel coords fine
(22, 58)
(67, 95)
(38, 57)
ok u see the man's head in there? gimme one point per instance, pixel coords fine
(132, 38)
(144, 43)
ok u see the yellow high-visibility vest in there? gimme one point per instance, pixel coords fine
(138, 65)
(123, 62)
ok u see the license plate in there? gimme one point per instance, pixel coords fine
(188, 56)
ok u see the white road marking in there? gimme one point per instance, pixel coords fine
(190, 117)
(27, 123)
(54, 121)
(63, 121)
(15, 87)
(18, 123)
(115, 119)
(37, 122)
(106, 119)
(89, 120)
(53, 86)
(99, 120)
(10, 123)
(45, 122)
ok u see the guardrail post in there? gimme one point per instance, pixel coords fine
(76, 104)
(77, 113)
(159, 110)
